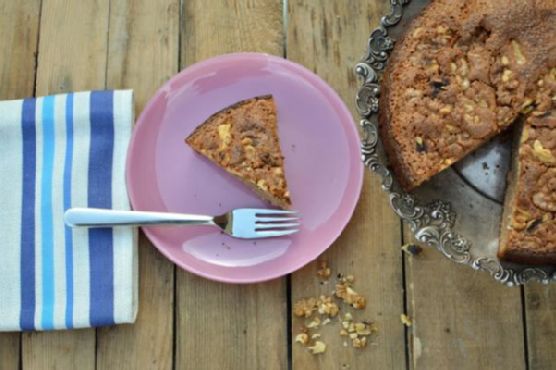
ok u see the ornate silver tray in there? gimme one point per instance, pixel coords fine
(475, 187)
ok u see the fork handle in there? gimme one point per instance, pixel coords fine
(95, 217)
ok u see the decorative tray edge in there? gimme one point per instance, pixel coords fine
(431, 223)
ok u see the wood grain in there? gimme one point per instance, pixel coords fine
(19, 34)
(72, 57)
(222, 326)
(329, 38)
(143, 54)
(540, 318)
(59, 350)
(9, 350)
(461, 316)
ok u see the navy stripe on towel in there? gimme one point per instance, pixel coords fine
(100, 196)
(28, 129)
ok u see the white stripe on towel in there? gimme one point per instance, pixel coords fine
(81, 144)
(11, 170)
(38, 222)
(58, 212)
(125, 255)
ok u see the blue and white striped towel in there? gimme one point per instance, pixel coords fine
(58, 152)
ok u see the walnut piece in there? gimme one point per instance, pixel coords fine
(518, 54)
(406, 320)
(326, 306)
(348, 295)
(359, 342)
(314, 324)
(225, 135)
(302, 338)
(543, 154)
(305, 307)
(323, 270)
(319, 347)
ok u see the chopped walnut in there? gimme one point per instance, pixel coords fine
(406, 320)
(225, 135)
(359, 342)
(319, 347)
(326, 306)
(348, 295)
(314, 324)
(543, 154)
(359, 302)
(519, 57)
(324, 270)
(302, 338)
(305, 307)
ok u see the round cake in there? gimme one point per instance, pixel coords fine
(464, 72)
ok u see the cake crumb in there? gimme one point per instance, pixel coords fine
(345, 291)
(323, 270)
(302, 338)
(359, 342)
(305, 307)
(319, 347)
(412, 249)
(406, 320)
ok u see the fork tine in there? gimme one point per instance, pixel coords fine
(276, 226)
(274, 212)
(268, 234)
(276, 219)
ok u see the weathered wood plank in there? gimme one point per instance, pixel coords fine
(19, 21)
(540, 314)
(142, 54)
(59, 350)
(9, 350)
(72, 57)
(230, 326)
(461, 316)
(330, 37)
(19, 30)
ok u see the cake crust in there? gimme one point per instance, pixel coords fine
(243, 140)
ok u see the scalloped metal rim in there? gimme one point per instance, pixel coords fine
(431, 223)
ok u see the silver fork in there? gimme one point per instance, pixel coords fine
(246, 223)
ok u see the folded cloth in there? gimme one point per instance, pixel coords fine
(58, 152)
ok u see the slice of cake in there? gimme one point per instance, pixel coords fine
(243, 140)
(528, 231)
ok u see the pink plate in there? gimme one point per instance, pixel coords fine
(323, 167)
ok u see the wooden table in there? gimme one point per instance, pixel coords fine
(462, 319)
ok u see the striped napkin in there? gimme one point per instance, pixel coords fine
(58, 152)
